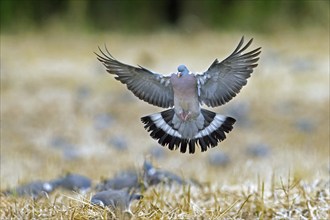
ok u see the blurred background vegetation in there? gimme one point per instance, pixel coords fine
(146, 15)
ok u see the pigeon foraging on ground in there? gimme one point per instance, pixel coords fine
(128, 179)
(35, 189)
(153, 176)
(116, 199)
(185, 124)
(74, 182)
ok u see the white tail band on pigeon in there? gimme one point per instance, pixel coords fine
(162, 129)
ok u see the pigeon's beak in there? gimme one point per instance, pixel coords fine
(179, 74)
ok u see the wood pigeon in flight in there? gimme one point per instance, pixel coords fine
(185, 124)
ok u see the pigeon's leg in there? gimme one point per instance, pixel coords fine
(185, 116)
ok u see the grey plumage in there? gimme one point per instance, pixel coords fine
(117, 199)
(146, 85)
(153, 176)
(34, 189)
(127, 179)
(186, 124)
(223, 80)
(74, 182)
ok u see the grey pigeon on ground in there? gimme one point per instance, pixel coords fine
(75, 182)
(127, 179)
(185, 124)
(153, 176)
(117, 199)
(258, 150)
(34, 189)
(218, 159)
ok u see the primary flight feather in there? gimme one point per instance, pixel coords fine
(185, 124)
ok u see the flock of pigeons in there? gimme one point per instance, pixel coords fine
(117, 192)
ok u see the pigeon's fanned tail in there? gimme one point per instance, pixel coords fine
(214, 131)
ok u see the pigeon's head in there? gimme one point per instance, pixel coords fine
(182, 70)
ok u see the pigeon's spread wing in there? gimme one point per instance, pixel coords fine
(223, 80)
(146, 85)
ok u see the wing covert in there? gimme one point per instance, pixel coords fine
(148, 86)
(223, 80)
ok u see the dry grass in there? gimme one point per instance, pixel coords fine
(53, 87)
